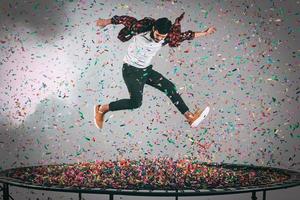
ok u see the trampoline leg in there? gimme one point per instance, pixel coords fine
(253, 197)
(264, 195)
(5, 191)
(111, 197)
(80, 196)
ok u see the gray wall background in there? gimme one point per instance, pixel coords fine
(55, 64)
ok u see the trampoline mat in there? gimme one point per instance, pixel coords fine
(162, 174)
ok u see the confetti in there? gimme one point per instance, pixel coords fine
(157, 173)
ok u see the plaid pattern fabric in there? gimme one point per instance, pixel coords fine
(134, 27)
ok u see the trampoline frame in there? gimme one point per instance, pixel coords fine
(292, 182)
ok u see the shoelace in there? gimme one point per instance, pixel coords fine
(99, 110)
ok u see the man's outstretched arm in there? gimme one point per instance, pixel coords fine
(127, 21)
(132, 25)
(175, 37)
(125, 33)
(189, 35)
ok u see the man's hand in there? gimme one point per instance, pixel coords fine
(103, 22)
(208, 31)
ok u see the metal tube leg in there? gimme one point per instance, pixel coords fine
(111, 197)
(5, 191)
(264, 195)
(80, 196)
(253, 197)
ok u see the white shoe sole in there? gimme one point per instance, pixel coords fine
(201, 117)
(95, 116)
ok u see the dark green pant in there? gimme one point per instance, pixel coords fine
(135, 79)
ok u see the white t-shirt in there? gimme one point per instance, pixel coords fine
(141, 50)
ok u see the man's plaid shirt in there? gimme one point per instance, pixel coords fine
(134, 27)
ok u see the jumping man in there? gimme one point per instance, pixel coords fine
(149, 36)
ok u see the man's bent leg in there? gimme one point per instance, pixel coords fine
(135, 82)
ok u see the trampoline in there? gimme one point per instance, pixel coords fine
(150, 177)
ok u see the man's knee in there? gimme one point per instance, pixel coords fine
(170, 89)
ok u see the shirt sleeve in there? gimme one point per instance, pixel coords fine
(188, 35)
(127, 21)
(132, 26)
(175, 37)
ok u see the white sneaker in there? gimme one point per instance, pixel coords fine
(199, 116)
